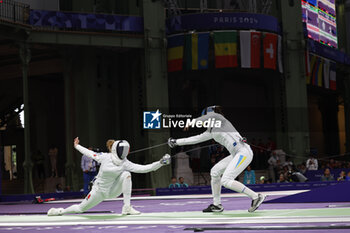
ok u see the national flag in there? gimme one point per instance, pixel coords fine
(326, 73)
(250, 49)
(312, 66)
(332, 76)
(196, 51)
(320, 74)
(225, 45)
(280, 61)
(317, 72)
(270, 50)
(175, 52)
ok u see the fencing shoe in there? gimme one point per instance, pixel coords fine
(213, 208)
(55, 212)
(257, 202)
(128, 210)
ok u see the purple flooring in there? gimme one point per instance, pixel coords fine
(164, 205)
(158, 228)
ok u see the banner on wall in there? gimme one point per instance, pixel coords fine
(68, 20)
(220, 21)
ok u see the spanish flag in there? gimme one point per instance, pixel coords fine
(196, 51)
(225, 44)
(175, 52)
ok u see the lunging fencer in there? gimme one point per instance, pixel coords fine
(226, 170)
(113, 178)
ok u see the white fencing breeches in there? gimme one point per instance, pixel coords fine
(229, 168)
(121, 185)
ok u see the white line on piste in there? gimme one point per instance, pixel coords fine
(177, 197)
(187, 221)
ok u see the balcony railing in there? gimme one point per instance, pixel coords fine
(14, 11)
(178, 7)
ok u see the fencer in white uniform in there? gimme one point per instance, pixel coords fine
(226, 170)
(113, 178)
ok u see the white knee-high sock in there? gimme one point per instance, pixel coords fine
(73, 209)
(216, 190)
(127, 184)
(239, 187)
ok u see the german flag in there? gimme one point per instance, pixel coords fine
(225, 44)
(175, 52)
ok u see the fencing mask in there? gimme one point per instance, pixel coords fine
(208, 109)
(121, 149)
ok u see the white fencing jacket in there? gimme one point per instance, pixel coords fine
(111, 169)
(225, 135)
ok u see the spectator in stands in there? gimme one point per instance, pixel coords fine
(39, 160)
(285, 170)
(262, 180)
(59, 188)
(53, 152)
(274, 163)
(311, 163)
(342, 176)
(174, 183)
(332, 164)
(327, 176)
(289, 164)
(89, 167)
(293, 176)
(261, 147)
(347, 178)
(282, 179)
(182, 183)
(182, 165)
(338, 164)
(270, 145)
(302, 168)
(249, 176)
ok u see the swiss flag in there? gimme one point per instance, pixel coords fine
(270, 50)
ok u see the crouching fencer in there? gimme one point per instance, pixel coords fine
(113, 178)
(225, 171)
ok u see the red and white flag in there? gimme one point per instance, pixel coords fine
(250, 49)
(270, 50)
